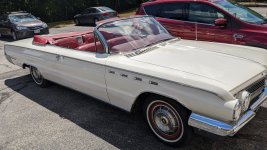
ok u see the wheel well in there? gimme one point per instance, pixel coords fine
(137, 106)
(24, 66)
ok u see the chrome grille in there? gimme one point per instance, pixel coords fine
(256, 88)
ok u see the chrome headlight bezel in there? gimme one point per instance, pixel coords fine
(237, 110)
(44, 25)
(244, 97)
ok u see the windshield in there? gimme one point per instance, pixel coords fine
(128, 35)
(22, 18)
(241, 12)
(105, 9)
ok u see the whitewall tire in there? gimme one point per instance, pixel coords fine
(167, 120)
(38, 78)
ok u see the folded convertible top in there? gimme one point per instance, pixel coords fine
(50, 39)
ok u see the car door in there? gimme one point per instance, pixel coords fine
(88, 16)
(84, 16)
(83, 71)
(205, 15)
(93, 14)
(173, 16)
(5, 28)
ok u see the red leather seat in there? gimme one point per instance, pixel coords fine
(87, 47)
(117, 41)
(90, 47)
(88, 38)
(69, 42)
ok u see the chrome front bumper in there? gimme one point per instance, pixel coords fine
(222, 128)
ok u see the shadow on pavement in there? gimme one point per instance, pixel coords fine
(6, 39)
(121, 129)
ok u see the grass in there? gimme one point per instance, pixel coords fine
(60, 24)
(127, 13)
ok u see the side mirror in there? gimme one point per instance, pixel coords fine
(222, 22)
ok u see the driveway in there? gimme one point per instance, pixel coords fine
(59, 118)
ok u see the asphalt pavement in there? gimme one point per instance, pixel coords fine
(59, 118)
(260, 10)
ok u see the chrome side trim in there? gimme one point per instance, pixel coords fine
(222, 128)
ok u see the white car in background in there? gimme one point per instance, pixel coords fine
(135, 64)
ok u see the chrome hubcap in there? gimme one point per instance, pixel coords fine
(165, 120)
(36, 75)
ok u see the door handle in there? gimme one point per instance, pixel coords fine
(238, 36)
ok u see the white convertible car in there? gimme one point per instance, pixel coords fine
(135, 64)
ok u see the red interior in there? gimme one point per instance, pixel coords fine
(70, 40)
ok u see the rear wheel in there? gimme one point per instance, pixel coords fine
(76, 21)
(14, 36)
(167, 120)
(95, 21)
(38, 78)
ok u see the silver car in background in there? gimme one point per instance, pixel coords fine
(94, 14)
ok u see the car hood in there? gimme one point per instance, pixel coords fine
(30, 24)
(197, 60)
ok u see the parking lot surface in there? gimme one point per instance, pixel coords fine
(59, 118)
(260, 10)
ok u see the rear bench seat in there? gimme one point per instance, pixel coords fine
(72, 43)
(88, 38)
(69, 42)
(88, 42)
(90, 47)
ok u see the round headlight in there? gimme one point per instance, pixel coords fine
(44, 25)
(237, 111)
(244, 98)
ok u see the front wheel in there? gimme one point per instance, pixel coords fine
(38, 78)
(167, 120)
(14, 36)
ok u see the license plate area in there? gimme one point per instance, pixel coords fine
(36, 31)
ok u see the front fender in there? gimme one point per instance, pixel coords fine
(196, 100)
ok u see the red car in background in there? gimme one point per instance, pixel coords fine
(215, 20)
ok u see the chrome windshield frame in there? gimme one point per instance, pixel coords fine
(102, 39)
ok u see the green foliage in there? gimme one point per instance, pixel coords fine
(57, 10)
